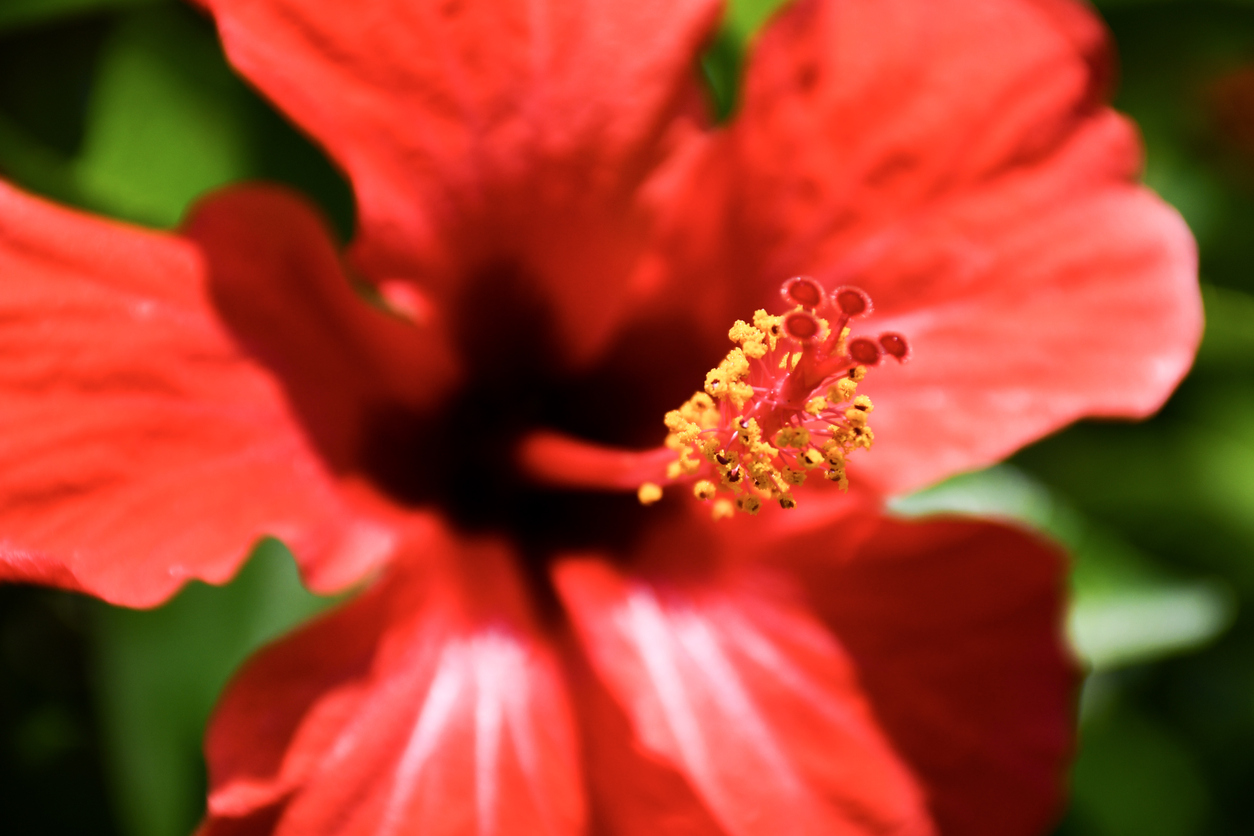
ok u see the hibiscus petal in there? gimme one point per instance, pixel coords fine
(953, 158)
(350, 369)
(732, 683)
(487, 140)
(140, 445)
(428, 705)
(955, 629)
(631, 793)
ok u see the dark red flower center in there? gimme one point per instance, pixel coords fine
(519, 381)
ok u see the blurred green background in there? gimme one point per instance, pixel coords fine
(127, 108)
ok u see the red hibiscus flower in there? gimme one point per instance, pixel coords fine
(556, 241)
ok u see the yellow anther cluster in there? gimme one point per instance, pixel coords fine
(689, 435)
(770, 327)
(792, 437)
(718, 434)
(726, 380)
(752, 341)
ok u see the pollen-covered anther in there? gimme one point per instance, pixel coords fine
(649, 493)
(748, 503)
(750, 338)
(783, 402)
(838, 476)
(793, 437)
(842, 390)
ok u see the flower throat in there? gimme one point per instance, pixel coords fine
(781, 406)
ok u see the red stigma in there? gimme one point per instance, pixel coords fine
(896, 345)
(801, 326)
(803, 291)
(851, 301)
(864, 351)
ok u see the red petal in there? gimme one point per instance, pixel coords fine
(260, 823)
(486, 140)
(955, 628)
(361, 380)
(952, 158)
(428, 706)
(1091, 310)
(732, 683)
(631, 793)
(140, 446)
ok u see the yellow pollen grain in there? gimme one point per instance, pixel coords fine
(857, 373)
(842, 390)
(787, 503)
(748, 431)
(749, 503)
(723, 509)
(750, 339)
(649, 493)
(792, 437)
(704, 490)
(811, 459)
(762, 449)
(793, 476)
(716, 383)
(838, 476)
(780, 483)
(741, 331)
(735, 363)
(814, 406)
(699, 410)
(768, 325)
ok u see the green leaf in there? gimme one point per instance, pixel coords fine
(1136, 778)
(167, 120)
(723, 62)
(744, 17)
(160, 671)
(31, 163)
(1114, 629)
(18, 13)
(1228, 345)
